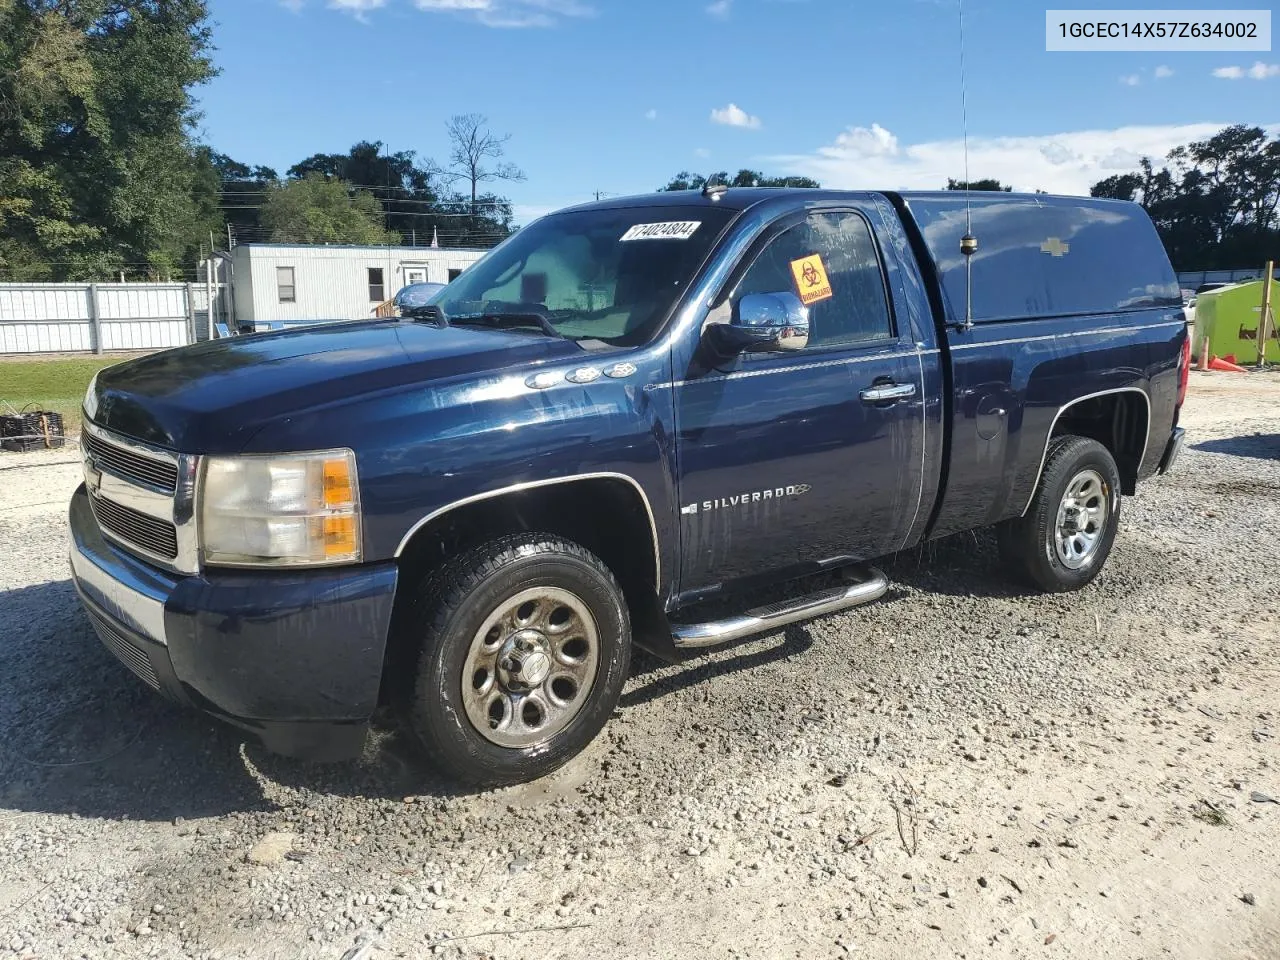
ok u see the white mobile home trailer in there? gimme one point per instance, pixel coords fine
(291, 283)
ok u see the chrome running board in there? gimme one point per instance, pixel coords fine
(871, 586)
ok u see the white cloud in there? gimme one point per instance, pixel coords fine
(1131, 80)
(720, 9)
(651, 114)
(873, 158)
(509, 13)
(1163, 72)
(491, 13)
(1259, 71)
(734, 116)
(702, 153)
(357, 7)
(873, 142)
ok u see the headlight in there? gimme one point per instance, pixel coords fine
(91, 398)
(300, 509)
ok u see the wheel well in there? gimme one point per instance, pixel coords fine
(607, 516)
(1118, 421)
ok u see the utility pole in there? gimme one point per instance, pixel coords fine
(209, 289)
(1265, 316)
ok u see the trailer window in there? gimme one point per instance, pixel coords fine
(284, 285)
(377, 289)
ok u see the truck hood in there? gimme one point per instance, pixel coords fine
(212, 397)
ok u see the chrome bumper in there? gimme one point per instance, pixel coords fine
(1173, 450)
(129, 594)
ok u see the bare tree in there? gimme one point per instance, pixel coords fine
(476, 153)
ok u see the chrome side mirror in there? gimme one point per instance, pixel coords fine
(772, 321)
(761, 322)
(415, 297)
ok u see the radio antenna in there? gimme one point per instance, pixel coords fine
(968, 243)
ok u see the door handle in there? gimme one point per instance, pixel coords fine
(888, 392)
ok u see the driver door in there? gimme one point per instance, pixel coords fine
(790, 459)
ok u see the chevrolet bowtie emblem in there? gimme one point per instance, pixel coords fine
(1055, 247)
(92, 477)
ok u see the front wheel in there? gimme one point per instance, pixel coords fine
(525, 647)
(1063, 540)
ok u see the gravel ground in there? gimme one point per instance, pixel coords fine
(960, 770)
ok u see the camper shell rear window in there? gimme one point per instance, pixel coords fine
(1041, 256)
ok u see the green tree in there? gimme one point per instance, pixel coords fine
(1123, 186)
(98, 170)
(995, 186)
(405, 189)
(684, 180)
(1215, 201)
(318, 209)
(476, 156)
(243, 190)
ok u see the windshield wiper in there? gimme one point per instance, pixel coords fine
(503, 318)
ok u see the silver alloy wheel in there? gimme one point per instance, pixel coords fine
(531, 667)
(1082, 519)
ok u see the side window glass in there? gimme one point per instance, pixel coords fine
(851, 305)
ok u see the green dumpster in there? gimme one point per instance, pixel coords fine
(1229, 317)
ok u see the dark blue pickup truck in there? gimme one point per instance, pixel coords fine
(672, 421)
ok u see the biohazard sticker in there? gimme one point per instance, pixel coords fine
(811, 279)
(674, 230)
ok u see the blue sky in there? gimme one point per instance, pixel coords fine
(618, 95)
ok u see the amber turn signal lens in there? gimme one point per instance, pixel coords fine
(337, 483)
(340, 537)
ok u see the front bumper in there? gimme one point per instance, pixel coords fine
(295, 658)
(1172, 450)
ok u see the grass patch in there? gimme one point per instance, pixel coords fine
(1211, 814)
(56, 385)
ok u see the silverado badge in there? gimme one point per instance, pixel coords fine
(742, 499)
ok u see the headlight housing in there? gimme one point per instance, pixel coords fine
(285, 510)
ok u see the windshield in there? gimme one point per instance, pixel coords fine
(610, 275)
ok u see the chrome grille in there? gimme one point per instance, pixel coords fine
(143, 497)
(130, 465)
(125, 651)
(152, 534)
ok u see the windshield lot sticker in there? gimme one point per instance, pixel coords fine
(811, 279)
(674, 230)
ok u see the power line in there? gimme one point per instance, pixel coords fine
(401, 213)
(500, 204)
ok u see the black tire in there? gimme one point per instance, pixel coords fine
(453, 603)
(1029, 544)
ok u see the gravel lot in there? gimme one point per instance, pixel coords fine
(959, 770)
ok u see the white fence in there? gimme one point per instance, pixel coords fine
(94, 317)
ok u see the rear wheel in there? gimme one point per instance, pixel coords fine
(525, 647)
(1064, 539)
